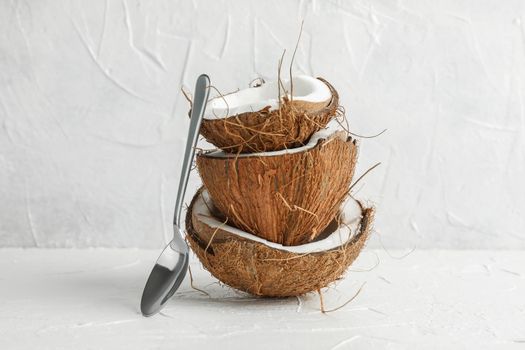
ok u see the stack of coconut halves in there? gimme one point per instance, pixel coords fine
(274, 217)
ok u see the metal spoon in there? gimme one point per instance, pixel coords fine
(171, 266)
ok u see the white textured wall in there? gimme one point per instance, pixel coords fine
(93, 124)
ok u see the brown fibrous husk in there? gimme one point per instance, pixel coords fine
(261, 270)
(261, 131)
(287, 198)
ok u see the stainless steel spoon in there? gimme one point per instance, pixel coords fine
(171, 266)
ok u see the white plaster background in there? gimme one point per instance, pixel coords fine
(93, 123)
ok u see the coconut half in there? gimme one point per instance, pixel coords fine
(257, 120)
(288, 196)
(252, 264)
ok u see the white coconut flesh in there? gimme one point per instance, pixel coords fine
(351, 215)
(305, 88)
(331, 128)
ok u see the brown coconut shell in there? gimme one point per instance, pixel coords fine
(258, 269)
(262, 131)
(288, 198)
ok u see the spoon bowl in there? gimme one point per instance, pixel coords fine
(166, 276)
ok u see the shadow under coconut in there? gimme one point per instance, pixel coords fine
(221, 297)
(216, 296)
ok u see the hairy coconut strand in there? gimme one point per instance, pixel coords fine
(288, 198)
(260, 270)
(262, 131)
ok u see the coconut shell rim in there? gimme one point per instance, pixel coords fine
(334, 98)
(366, 219)
(341, 134)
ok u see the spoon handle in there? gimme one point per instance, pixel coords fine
(197, 112)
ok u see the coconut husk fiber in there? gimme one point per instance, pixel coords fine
(258, 269)
(261, 131)
(287, 198)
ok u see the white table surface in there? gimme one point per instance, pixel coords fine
(88, 299)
